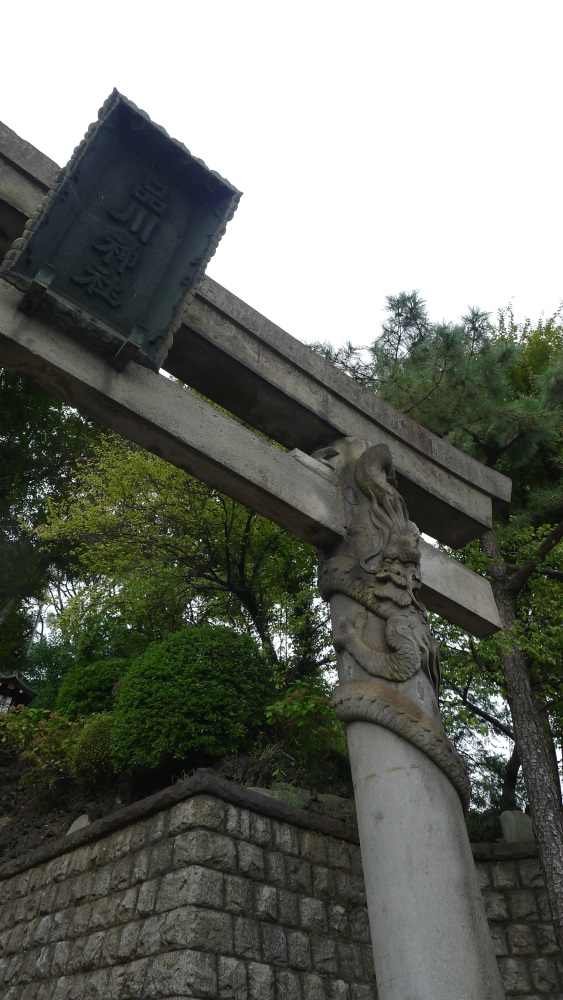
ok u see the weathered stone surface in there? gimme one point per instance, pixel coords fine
(243, 931)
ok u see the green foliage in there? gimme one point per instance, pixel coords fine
(49, 752)
(17, 729)
(46, 664)
(91, 755)
(203, 689)
(40, 439)
(305, 727)
(158, 550)
(87, 689)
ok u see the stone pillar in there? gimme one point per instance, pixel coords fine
(429, 931)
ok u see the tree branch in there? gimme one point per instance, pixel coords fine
(517, 582)
(486, 716)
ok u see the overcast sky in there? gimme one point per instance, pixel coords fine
(380, 146)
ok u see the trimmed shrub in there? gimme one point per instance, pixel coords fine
(91, 757)
(87, 689)
(203, 689)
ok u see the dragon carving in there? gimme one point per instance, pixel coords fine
(385, 630)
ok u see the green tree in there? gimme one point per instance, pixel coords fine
(158, 550)
(40, 440)
(203, 689)
(496, 392)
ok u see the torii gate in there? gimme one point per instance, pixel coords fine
(334, 486)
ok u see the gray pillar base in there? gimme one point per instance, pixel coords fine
(430, 935)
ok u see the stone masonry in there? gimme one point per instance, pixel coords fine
(211, 891)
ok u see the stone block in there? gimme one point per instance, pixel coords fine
(149, 941)
(350, 888)
(288, 909)
(138, 838)
(298, 876)
(522, 905)
(181, 973)
(313, 916)
(201, 810)
(350, 960)
(498, 938)
(520, 938)
(81, 920)
(262, 830)
(265, 902)
(103, 912)
(338, 854)
(231, 979)
(545, 938)
(101, 882)
(313, 987)
(119, 844)
(544, 910)
(495, 905)
(504, 875)
(92, 951)
(198, 929)
(110, 946)
(205, 847)
(46, 904)
(261, 981)
(275, 868)
(238, 895)
(323, 883)
(338, 921)
(359, 924)
(7, 913)
(298, 950)
(531, 874)
(312, 846)
(359, 991)
(273, 944)
(246, 938)
(288, 985)
(94, 985)
(146, 900)
(237, 822)
(158, 827)
(285, 838)
(128, 938)
(126, 905)
(131, 978)
(44, 962)
(161, 859)
(515, 975)
(544, 975)
(61, 924)
(337, 989)
(324, 955)
(250, 860)
(60, 959)
(140, 863)
(191, 885)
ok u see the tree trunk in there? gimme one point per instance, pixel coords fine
(508, 795)
(541, 788)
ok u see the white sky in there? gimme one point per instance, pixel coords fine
(381, 146)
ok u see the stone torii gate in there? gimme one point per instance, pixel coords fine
(350, 467)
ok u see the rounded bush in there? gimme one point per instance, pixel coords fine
(91, 758)
(87, 689)
(203, 689)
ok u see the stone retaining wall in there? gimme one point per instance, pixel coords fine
(208, 890)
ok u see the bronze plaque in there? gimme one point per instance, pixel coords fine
(127, 231)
